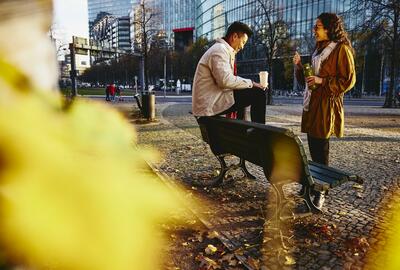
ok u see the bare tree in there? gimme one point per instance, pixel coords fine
(271, 31)
(186, 62)
(147, 25)
(60, 45)
(384, 15)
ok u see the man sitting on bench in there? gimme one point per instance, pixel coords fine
(216, 88)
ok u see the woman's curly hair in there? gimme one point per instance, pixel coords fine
(334, 24)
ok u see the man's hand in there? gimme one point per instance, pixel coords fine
(311, 80)
(257, 85)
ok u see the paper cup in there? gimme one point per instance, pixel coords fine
(264, 78)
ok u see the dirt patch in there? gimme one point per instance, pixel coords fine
(380, 122)
(188, 243)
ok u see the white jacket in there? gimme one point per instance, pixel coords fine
(214, 80)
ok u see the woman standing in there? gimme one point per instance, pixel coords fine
(334, 75)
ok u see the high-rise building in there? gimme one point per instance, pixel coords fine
(178, 14)
(174, 20)
(120, 33)
(214, 16)
(117, 8)
(109, 22)
(111, 31)
(150, 11)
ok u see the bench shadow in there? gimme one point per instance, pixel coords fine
(366, 139)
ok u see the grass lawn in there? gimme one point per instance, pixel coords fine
(95, 91)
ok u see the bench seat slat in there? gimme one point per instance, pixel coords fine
(332, 171)
(351, 177)
(332, 181)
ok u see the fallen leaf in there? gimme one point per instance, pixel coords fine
(192, 221)
(358, 186)
(357, 244)
(289, 260)
(266, 239)
(212, 235)
(210, 249)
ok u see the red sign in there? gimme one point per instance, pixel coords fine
(187, 29)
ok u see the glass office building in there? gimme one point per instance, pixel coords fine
(175, 20)
(214, 16)
(109, 22)
(117, 8)
(178, 14)
(179, 22)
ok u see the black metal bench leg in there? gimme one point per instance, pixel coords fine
(217, 180)
(308, 200)
(242, 165)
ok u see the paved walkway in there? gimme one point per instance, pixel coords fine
(338, 239)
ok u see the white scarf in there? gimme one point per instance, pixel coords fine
(316, 66)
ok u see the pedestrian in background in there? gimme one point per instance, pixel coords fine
(118, 90)
(334, 75)
(113, 90)
(108, 92)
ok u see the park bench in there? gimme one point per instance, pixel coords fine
(278, 151)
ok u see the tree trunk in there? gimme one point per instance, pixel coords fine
(270, 84)
(146, 73)
(389, 95)
(382, 73)
(363, 75)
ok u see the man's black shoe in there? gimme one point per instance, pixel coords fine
(319, 199)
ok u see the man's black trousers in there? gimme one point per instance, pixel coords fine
(253, 97)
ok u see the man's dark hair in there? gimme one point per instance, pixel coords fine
(239, 28)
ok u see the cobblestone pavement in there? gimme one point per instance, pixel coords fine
(354, 218)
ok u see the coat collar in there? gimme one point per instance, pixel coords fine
(226, 44)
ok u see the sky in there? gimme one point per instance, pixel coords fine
(71, 18)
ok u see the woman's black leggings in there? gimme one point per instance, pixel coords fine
(319, 149)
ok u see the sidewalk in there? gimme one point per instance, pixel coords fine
(338, 239)
(189, 94)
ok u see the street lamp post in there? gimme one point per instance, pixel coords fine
(165, 75)
(73, 69)
(136, 84)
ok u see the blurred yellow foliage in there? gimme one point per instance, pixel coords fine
(387, 257)
(75, 191)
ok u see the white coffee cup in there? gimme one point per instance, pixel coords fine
(264, 78)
